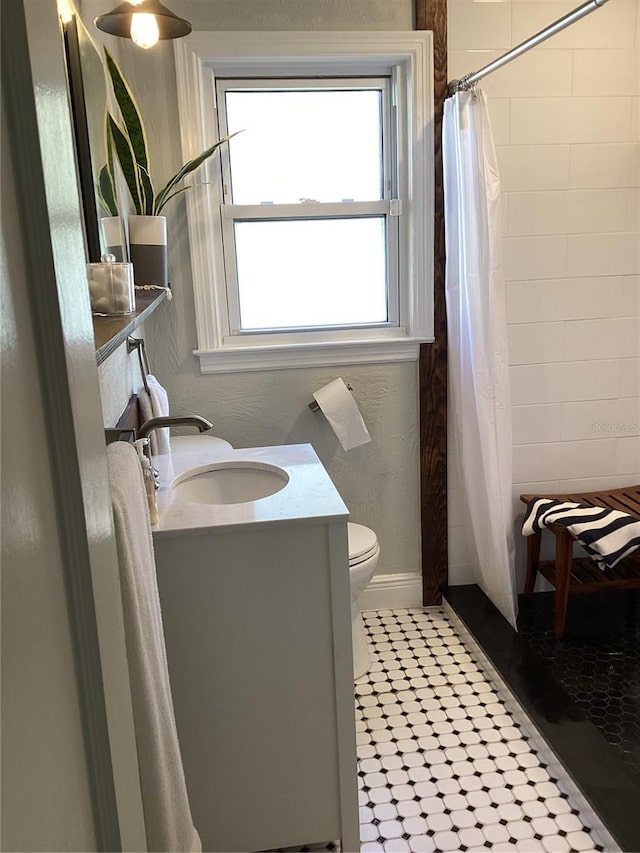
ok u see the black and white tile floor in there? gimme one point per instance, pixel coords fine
(442, 764)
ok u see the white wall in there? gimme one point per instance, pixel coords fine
(297, 14)
(380, 481)
(59, 561)
(566, 126)
(45, 790)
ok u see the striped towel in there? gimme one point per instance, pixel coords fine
(607, 535)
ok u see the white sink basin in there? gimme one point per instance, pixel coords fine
(201, 441)
(230, 482)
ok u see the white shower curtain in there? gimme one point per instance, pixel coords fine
(479, 393)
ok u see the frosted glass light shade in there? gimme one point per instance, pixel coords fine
(118, 21)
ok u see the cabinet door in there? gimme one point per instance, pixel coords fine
(251, 649)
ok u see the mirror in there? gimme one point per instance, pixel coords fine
(88, 97)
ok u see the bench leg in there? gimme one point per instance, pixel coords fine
(564, 559)
(533, 560)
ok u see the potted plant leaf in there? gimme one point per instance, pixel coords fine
(147, 225)
(111, 222)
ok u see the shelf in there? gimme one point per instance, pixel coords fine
(110, 332)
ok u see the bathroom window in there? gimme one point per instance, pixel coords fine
(310, 224)
(311, 234)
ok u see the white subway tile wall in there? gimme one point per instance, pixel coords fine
(617, 30)
(607, 165)
(566, 123)
(572, 119)
(564, 381)
(629, 377)
(635, 118)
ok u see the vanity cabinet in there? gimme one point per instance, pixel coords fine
(258, 634)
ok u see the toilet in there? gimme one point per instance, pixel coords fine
(363, 559)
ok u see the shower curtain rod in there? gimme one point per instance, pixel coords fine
(472, 78)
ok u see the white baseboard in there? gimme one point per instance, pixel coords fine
(386, 592)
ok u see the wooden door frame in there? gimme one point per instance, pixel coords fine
(432, 382)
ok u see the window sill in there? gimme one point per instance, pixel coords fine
(236, 359)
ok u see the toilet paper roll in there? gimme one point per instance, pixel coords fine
(341, 410)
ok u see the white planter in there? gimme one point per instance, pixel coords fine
(148, 249)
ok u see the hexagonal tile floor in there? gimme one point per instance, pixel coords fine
(597, 661)
(442, 765)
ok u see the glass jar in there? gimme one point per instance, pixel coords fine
(111, 288)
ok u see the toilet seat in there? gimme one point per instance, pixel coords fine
(364, 552)
(363, 543)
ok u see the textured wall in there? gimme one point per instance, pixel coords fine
(379, 482)
(119, 377)
(566, 126)
(298, 14)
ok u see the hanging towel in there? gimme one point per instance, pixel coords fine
(155, 404)
(607, 535)
(146, 410)
(167, 814)
(160, 408)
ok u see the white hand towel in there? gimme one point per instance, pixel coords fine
(160, 407)
(146, 410)
(167, 814)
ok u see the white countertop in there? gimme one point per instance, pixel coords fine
(308, 497)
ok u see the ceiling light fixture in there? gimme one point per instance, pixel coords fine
(144, 21)
(65, 11)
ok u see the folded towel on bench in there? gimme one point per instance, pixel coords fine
(607, 535)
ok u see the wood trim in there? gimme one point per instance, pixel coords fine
(432, 15)
(128, 423)
(131, 418)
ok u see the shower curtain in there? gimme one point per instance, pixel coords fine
(478, 368)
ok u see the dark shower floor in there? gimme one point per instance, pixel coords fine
(597, 662)
(582, 692)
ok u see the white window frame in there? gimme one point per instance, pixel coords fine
(407, 57)
(382, 207)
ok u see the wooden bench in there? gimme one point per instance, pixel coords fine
(571, 575)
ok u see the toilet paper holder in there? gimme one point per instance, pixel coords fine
(313, 405)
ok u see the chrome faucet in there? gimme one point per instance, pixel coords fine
(178, 420)
(166, 421)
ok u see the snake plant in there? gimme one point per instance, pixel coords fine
(127, 138)
(105, 185)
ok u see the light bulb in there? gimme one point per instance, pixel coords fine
(65, 11)
(144, 29)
